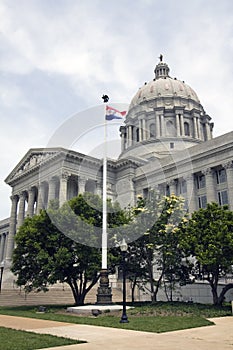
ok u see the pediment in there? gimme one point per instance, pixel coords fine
(32, 159)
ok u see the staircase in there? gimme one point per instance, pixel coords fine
(57, 295)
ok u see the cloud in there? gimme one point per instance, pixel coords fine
(58, 57)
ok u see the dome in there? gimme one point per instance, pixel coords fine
(165, 116)
(163, 86)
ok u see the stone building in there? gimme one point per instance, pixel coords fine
(166, 144)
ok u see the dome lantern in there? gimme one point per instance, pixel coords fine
(161, 69)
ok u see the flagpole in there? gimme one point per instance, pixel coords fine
(104, 291)
(104, 223)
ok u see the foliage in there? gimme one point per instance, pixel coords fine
(157, 251)
(44, 255)
(208, 236)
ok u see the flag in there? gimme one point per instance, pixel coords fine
(112, 113)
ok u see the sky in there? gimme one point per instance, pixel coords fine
(58, 57)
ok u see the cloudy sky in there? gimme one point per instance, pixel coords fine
(57, 58)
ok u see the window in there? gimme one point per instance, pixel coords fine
(145, 192)
(201, 181)
(182, 186)
(222, 197)
(152, 130)
(171, 145)
(137, 134)
(221, 176)
(186, 129)
(202, 201)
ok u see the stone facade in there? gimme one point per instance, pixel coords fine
(167, 144)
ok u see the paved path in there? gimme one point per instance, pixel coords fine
(217, 337)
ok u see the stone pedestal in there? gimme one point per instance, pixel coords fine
(104, 292)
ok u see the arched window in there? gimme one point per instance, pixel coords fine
(186, 129)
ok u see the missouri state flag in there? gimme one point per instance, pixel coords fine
(112, 113)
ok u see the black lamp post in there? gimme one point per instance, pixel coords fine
(1, 275)
(124, 247)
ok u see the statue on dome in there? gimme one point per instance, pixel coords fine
(161, 57)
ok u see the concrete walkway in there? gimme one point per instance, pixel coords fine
(216, 337)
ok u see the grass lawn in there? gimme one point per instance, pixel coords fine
(160, 317)
(12, 339)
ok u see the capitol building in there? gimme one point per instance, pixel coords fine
(167, 144)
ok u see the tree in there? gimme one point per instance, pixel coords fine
(158, 248)
(44, 255)
(208, 237)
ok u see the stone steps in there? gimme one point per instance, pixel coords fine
(57, 295)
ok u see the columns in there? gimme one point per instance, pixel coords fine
(40, 198)
(2, 246)
(144, 130)
(195, 127)
(157, 123)
(191, 193)
(31, 202)
(182, 124)
(21, 213)
(162, 125)
(63, 188)
(81, 184)
(129, 135)
(198, 128)
(12, 230)
(177, 125)
(210, 185)
(52, 189)
(172, 187)
(99, 188)
(229, 172)
(208, 132)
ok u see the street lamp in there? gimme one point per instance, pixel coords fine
(124, 247)
(1, 275)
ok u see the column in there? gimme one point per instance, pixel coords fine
(208, 132)
(12, 230)
(129, 133)
(31, 201)
(145, 131)
(63, 188)
(2, 246)
(210, 185)
(191, 198)
(172, 187)
(182, 124)
(99, 188)
(157, 122)
(123, 138)
(177, 125)
(81, 184)
(162, 125)
(140, 130)
(52, 190)
(195, 127)
(198, 128)
(229, 172)
(21, 213)
(40, 198)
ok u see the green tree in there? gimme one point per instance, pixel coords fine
(44, 255)
(208, 236)
(159, 251)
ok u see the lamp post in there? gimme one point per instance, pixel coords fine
(124, 247)
(1, 275)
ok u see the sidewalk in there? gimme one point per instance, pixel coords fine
(219, 336)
